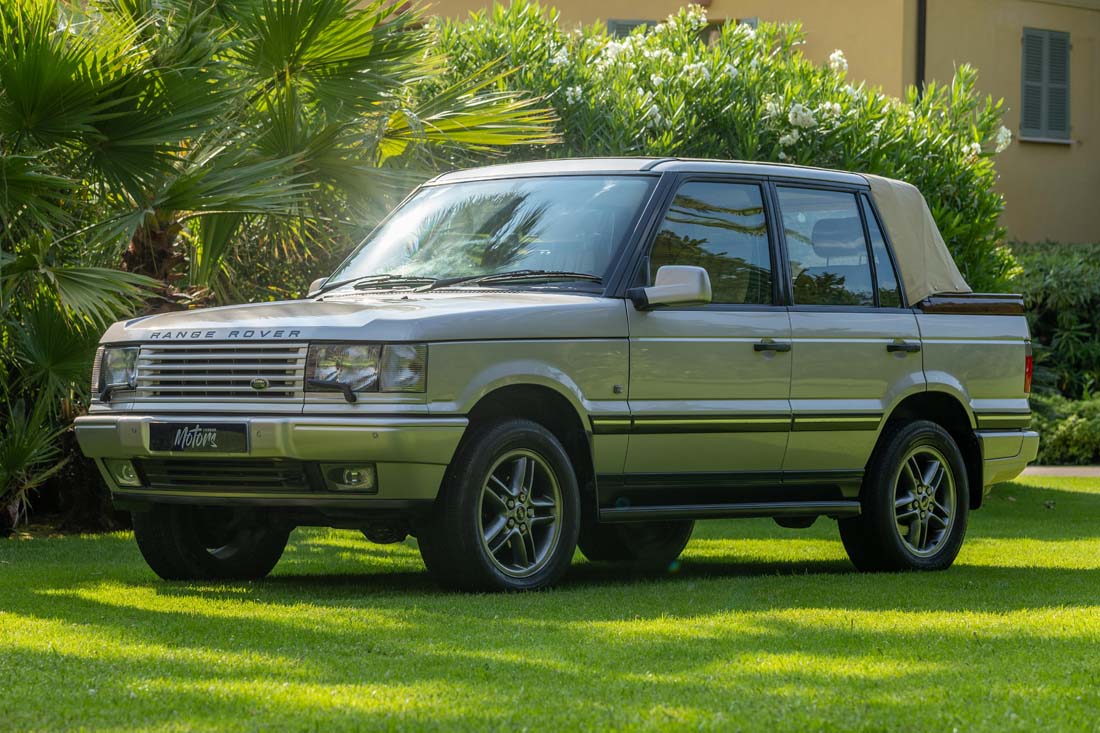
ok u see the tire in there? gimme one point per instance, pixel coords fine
(208, 543)
(652, 546)
(475, 541)
(925, 532)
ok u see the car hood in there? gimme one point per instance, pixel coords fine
(393, 316)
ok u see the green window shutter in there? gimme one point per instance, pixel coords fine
(1031, 117)
(622, 28)
(1057, 101)
(1044, 98)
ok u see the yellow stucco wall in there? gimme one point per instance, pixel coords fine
(1050, 190)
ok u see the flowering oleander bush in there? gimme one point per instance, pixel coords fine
(687, 88)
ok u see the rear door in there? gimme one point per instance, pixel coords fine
(709, 384)
(856, 349)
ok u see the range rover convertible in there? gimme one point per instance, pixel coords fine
(527, 359)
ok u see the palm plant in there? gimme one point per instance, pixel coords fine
(173, 138)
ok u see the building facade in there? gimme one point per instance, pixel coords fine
(1041, 56)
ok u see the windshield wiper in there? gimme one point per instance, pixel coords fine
(513, 276)
(379, 281)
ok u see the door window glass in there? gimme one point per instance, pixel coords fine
(889, 295)
(721, 228)
(826, 247)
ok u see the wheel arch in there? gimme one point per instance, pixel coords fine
(552, 409)
(949, 412)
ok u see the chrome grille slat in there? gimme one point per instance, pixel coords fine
(181, 372)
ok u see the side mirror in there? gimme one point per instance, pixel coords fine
(315, 286)
(673, 285)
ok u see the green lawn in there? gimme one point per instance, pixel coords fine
(759, 628)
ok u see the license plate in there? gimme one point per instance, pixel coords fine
(198, 437)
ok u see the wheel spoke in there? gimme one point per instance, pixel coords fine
(904, 501)
(505, 488)
(912, 470)
(498, 539)
(528, 539)
(921, 533)
(543, 502)
(942, 521)
(495, 498)
(906, 515)
(519, 549)
(933, 475)
(544, 519)
(519, 474)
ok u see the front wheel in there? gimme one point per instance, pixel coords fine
(509, 512)
(915, 502)
(209, 543)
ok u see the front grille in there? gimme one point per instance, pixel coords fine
(231, 372)
(243, 474)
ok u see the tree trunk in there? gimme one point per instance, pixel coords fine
(153, 251)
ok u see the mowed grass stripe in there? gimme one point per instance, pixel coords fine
(758, 627)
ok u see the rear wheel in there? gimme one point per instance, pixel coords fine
(915, 501)
(208, 543)
(508, 515)
(644, 545)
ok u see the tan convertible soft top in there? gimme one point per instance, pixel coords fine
(925, 263)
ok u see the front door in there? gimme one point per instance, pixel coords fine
(856, 349)
(709, 384)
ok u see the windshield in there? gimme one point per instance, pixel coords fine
(566, 224)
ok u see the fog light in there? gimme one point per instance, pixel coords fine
(122, 471)
(356, 477)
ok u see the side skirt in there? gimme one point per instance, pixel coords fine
(641, 497)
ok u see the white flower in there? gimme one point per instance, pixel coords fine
(789, 139)
(830, 108)
(754, 64)
(837, 62)
(973, 150)
(771, 108)
(731, 71)
(1003, 139)
(783, 156)
(746, 30)
(561, 57)
(656, 80)
(854, 92)
(799, 116)
(698, 69)
(653, 116)
(573, 95)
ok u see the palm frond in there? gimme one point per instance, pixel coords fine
(470, 114)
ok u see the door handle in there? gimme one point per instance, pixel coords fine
(770, 346)
(906, 347)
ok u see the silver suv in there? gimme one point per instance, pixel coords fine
(527, 359)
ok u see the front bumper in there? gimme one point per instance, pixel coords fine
(410, 455)
(1006, 453)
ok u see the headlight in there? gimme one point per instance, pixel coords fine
(117, 369)
(352, 368)
(355, 365)
(404, 367)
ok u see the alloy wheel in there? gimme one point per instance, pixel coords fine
(924, 501)
(520, 514)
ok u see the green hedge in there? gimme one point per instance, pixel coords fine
(750, 95)
(1069, 430)
(1061, 286)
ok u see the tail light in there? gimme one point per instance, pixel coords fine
(1029, 369)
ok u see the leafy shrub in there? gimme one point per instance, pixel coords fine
(1061, 286)
(1069, 431)
(750, 95)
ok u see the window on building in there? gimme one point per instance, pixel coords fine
(826, 247)
(1045, 95)
(721, 228)
(621, 28)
